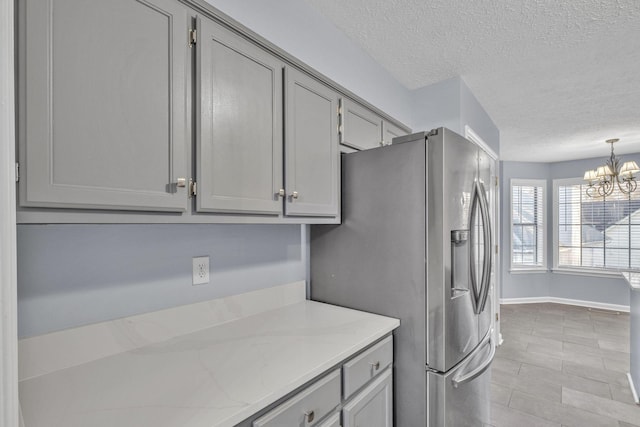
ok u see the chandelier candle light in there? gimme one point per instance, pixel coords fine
(604, 179)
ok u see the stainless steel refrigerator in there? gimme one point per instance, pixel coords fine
(416, 243)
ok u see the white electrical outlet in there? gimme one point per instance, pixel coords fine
(200, 270)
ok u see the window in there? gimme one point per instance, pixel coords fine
(596, 233)
(527, 224)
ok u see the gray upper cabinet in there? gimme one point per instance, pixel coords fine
(167, 111)
(311, 146)
(102, 104)
(390, 131)
(239, 124)
(361, 128)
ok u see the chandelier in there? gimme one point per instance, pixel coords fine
(604, 179)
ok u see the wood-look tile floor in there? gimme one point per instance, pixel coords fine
(562, 365)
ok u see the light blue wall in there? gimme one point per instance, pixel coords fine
(71, 275)
(451, 104)
(475, 116)
(437, 105)
(569, 286)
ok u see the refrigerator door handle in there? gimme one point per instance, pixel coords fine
(472, 248)
(475, 373)
(488, 254)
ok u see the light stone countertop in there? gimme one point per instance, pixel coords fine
(633, 279)
(215, 377)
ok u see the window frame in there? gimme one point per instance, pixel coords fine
(530, 268)
(581, 271)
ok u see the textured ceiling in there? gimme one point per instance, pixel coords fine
(558, 77)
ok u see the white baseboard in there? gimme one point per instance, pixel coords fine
(633, 389)
(581, 303)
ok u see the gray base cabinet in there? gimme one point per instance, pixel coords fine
(332, 421)
(307, 407)
(372, 407)
(358, 394)
(102, 111)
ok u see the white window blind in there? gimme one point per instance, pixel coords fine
(527, 223)
(601, 232)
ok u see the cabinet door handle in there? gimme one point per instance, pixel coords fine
(280, 193)
(375, 365)
(309, 416)
(294, 195)
(181, 182)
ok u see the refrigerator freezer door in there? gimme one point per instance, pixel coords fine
(461, 397)
(452, 323)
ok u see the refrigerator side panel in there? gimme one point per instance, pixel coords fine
(375, 260)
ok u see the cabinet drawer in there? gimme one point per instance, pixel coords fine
(359, 370)
(307, 407)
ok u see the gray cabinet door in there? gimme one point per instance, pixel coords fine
(311, 147)
(102, 116)
(332, 421)
(239, 128)
(373, 406)
(361, 128)
(390, 131)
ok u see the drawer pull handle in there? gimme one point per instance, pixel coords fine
(310, 415)
(376, 365)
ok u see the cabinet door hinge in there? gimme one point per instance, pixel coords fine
(496, 248)
(193, 36)
(497, 317)
(496, 180)
(17, 172)
(193, 189)
(340, 122)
